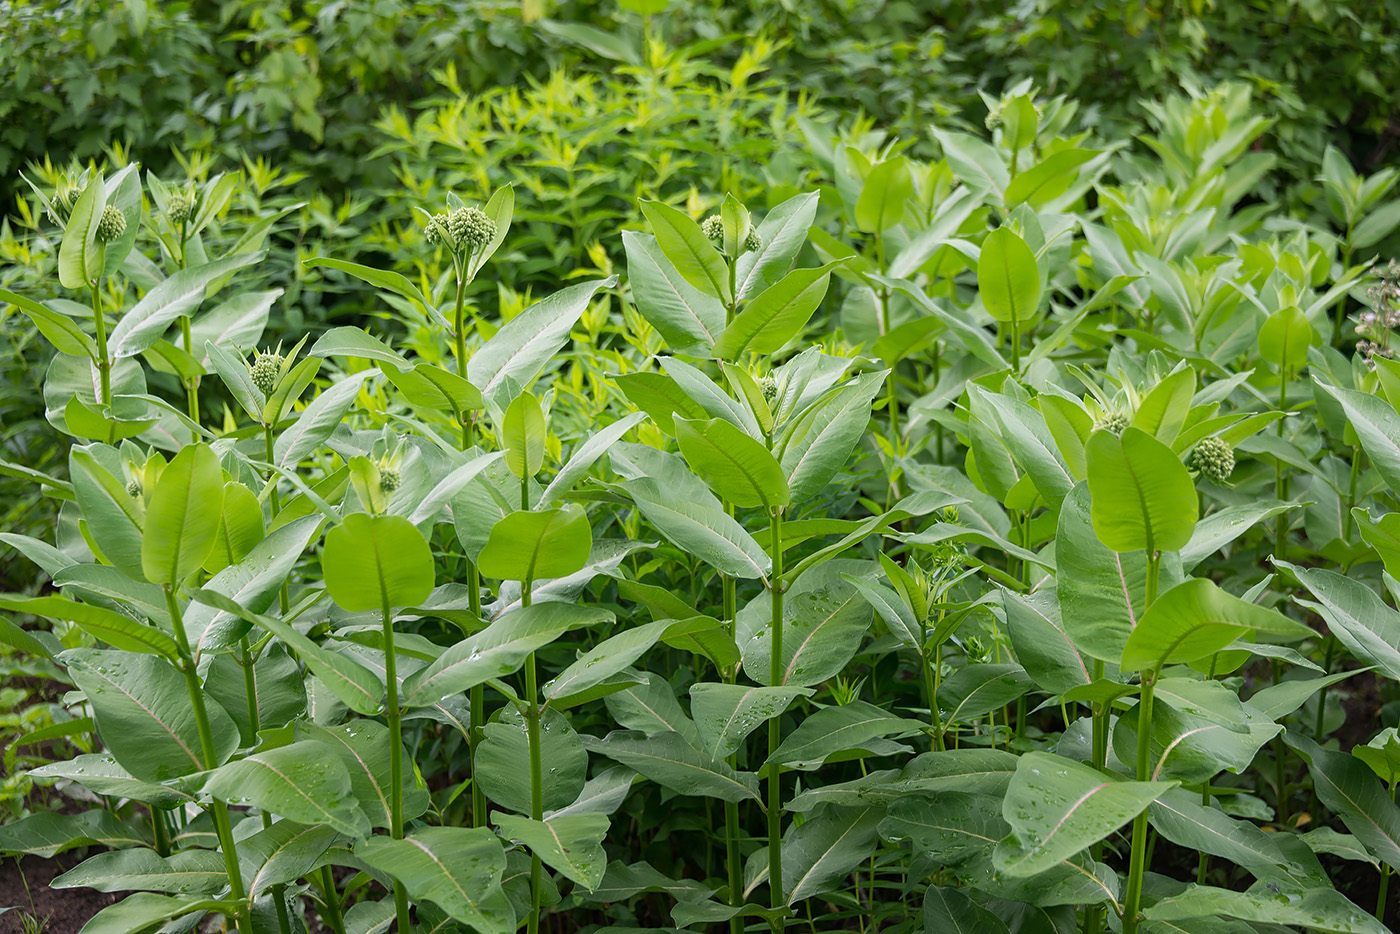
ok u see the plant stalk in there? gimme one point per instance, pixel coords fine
(391, 714)
(476, 705)
(775, 671)
(532, 728)
(222, 824)
(104, 367)
(1138, 865)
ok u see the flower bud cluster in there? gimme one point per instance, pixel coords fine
(111, 225)
(1213, 458)
(713, 229)
(1113, 422)
(464, 230)
(266, 370)
(1375, 325)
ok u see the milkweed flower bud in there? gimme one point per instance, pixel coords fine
(180, 206)
(65, 195)
(133, 488)
(1113, 422)
(713, 228)
(471, 229)
(769, 387)
(111, 225)
(1213, 458)
(265, 371)
(389, 478)
(752, 241)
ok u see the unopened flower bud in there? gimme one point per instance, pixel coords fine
(471, 229)
(265, 371)
(1213, 458)
(713, 228)
(133, 488)
(388, 478)
(111, 225)
(1113, 422)
(752, 241)
(769, 386)
(180, 206)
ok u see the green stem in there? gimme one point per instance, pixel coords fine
(775, 671)
(191, 384)
(1093, 916)
(1351, 492)
(1138, 865)
(532, 727)
(1340, 319)
(1015, 346)
(1154, 566)
(222, 824)
(330, 898)
(935, 718)
(391, 714)
(459, 324)
(734, 865)
(1280, 478)
(160, 831)
(283, 595)
(1385, 878)
(104, 367)
(476, 704)
(1203, 863)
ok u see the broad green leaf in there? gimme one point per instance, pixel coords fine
(145, 322)
(950, 911)
(253, 583)
(1101, 592)
(1203, 698)
(111, 515)
(978, 771)
(951, 828)
(118, 631)
(501, 761)
(1355, 615)
(304, 782)
(522, 435)
(1007, 277)
(782, 235)
(60, 329)
(528, 546)
(1194, 619)
(891, 609)
(362, 746)
(371, 563)
(379, 278)
(834, 730)
(524, 344)
(688, 249)
(584, 457)
(1048, 179)
(48, 833)
(725, 714)
(240, 528)
(1383, 535)
(670, 761)
(683, 315)
(1277, 701)
(1042, 642)
(80, 255)
(279, 690)
(822, 851)
(824, 622)
(428, 507)
(1163, 411)
(1351, 790)
(604, 660)
(144, 714)
(570, 843)
(1057, 807)
(433, 389)
(974, 161)
(1180, 816)
(500, 207)
(738, 468)
(350, 681)
(700, 527)
(318, 420)
(820, 441)
(456, 868)
(974, 690)
(1382, 754)
(1284, 338)
(190, 872)
(100, 774)
(182, 518)
(142, 912)
(885, 195)
(1317, 909)
(354, 342)
(1142, 495)
(498, 650)
(1377, 427)
(776, 315)
(237, 322)
(282, 853)
(1222, 527)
